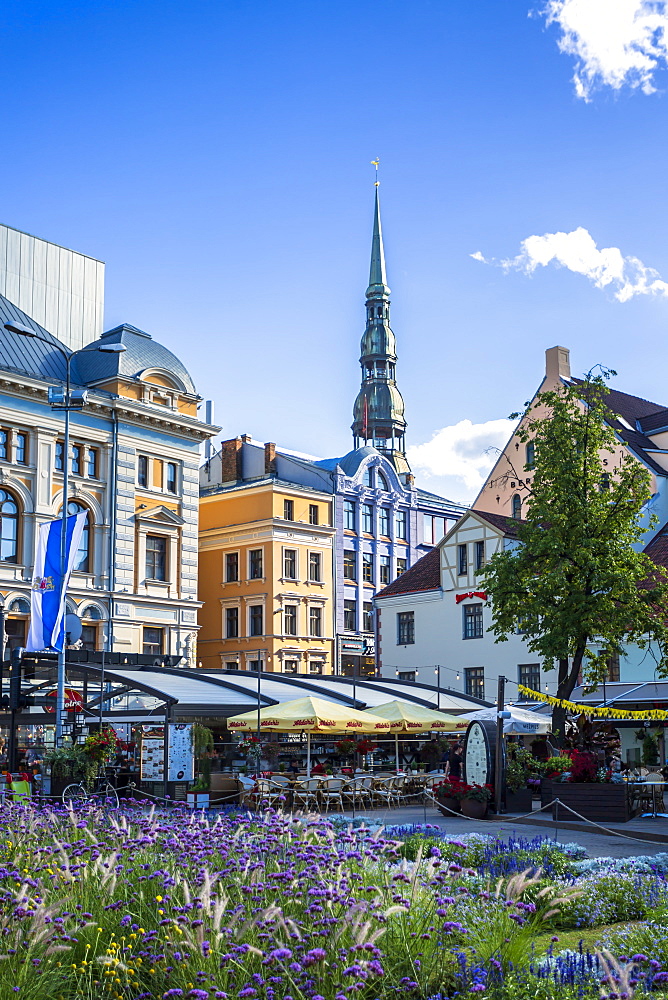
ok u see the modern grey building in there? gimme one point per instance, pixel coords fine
(60, 289)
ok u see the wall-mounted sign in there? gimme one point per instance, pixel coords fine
(73, 701)
(180, 754)
(352, 646)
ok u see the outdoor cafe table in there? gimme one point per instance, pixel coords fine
(653, 785)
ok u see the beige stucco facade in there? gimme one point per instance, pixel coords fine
(266, 578)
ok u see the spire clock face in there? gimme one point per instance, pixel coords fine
(479, 753)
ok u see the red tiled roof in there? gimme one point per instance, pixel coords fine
(657, 549)
(508, 525)
(424, 575)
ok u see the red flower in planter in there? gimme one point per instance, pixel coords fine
(584, 766)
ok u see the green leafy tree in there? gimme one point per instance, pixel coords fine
(574, 584)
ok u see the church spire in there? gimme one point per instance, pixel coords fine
(379, 408)
(377, 276)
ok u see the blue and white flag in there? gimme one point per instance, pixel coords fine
(47, 598)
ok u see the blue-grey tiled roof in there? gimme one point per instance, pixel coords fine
(29, 355)
(141, 353)
(350, 463)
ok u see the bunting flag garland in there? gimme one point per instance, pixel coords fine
(606, 712)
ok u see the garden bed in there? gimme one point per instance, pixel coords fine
(139, 903)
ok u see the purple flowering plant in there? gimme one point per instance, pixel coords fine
(145, 903)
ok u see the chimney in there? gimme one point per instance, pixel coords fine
(230, 460)
(269, 457)
(557, 363)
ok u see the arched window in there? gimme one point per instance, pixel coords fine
(9, 527)
(368, 476)
(517, 507)
(383, 482)
(82, 558)
(19, 606)
(92, 612)
(91, 633)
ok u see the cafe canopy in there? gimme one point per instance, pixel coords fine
(406, 718)
(309, 715)
(519, 722)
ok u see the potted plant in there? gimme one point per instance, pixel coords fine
(475, 800)
(520, 766)
(345, 747)
(365, 746)
(448, 795)
(81, 762)
(271, 752)
(550, 771)
(69, 764)
(199, 795)
(202, 741)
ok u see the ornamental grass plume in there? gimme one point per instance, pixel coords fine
(158, 902)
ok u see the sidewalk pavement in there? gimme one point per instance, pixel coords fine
(596, 844)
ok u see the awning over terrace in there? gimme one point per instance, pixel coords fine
(153, 691)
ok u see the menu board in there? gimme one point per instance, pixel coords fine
(180, 756)
(152, 760)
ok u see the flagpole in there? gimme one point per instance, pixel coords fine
(64, 404)
(60, 689)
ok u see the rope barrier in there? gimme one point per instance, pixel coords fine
(426, 794)
(557, 802)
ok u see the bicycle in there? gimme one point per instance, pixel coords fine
(103, 793)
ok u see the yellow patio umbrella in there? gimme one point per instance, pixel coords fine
(309, 715)
(405, 717)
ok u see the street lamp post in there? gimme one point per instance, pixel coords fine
(67, 401)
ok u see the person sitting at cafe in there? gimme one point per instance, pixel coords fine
(319, 768)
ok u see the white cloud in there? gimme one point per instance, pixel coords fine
(577, 251)
(461, 455)
(614, 42)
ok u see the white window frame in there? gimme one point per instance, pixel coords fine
(288, 548)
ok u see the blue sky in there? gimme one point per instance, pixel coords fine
(217, 156)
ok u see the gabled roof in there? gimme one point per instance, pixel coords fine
(425, 574)
(639, 413)
(654, 422)
(508, 525)
(657, 549)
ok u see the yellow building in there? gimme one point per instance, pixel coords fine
(265, 572)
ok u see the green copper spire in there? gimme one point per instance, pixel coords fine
(377, 276)
(378, 414)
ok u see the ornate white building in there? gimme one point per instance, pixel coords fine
(134, 455)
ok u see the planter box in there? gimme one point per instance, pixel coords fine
(520, 801)
(198, 800)
(546, 791)
(599, 802)
(58, 783)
